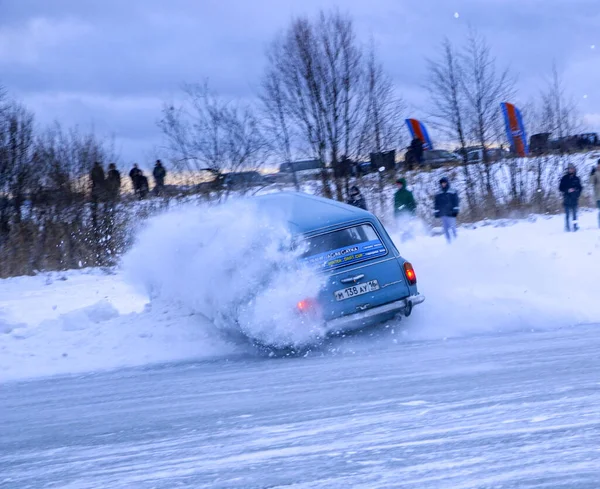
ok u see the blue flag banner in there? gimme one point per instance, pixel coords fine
(515, 129)
(418, 130)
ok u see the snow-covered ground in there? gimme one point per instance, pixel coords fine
(493, 382)
(499, 276)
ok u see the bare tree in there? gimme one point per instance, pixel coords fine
(293, 59)
(277, 118)
(449, 105)
(485, 87)
(208, 132)
(383, 112)
(64, 159)
(558, 111)
(16, 171)
(320, 69)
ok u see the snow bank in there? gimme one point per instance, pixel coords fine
(506, 275)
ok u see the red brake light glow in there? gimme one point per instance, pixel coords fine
(306, 305)
(410, 273)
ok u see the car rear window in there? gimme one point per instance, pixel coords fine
(343, 247)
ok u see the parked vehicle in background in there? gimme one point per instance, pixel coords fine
(435, 158)
(216, 181)
(301, 166)
(242, 180)
(440, 157)
(304, 168)
(493, 154)
(363, 168)
(539, 144)
(577, 142)
(368, 281)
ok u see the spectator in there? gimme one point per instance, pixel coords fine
(596, 184)
(159, 174)
(417, 151)
(447, 208)
(113, 182)
(98, 182)
(143, 187)
(356, 199)
(409, 159)
(404, 201)
(134, 174)
(570, 187)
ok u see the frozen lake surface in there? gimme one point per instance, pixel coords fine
(514, 410)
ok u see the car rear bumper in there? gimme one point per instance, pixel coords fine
(377, 314)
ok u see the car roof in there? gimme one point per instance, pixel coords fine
(307, 213)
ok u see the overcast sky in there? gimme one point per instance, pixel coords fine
(111, 64)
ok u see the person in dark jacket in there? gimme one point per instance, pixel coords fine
(159, 174)
(404, 201)
(98, 182)
(416, 146)
(356, 199)
(570, 187)
(447, 208)
(143, 187)
(595, 181)
(113, 182)
(134, 174)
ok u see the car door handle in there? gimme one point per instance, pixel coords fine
(354, 279)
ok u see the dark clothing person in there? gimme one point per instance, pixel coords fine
(356, 199)
(570, 187)
(113, 182)
(404, 201)
(143, 187)
(409, 159)
(417, 150)
(595, 181)
(134, 174)
(447, 208)
(159, 174)
(446, 201)
(98, 182)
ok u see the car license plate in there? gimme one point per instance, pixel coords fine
(358, 289)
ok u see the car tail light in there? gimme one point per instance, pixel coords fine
(410, 273)
(307, 305)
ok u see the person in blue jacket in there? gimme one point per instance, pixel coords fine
(570, 187)
(447, 208)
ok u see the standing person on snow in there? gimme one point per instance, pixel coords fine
(404, 201)
(416, 146)
(446, 208)
(98, 182)
(595, 179)
(159, 174)
(356, 199)
(135, 174)
(113, 182)
(143, 187)
(570, 187)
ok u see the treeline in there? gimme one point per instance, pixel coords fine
(324, 94)
(46, 222)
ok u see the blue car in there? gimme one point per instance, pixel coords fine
(368, 282)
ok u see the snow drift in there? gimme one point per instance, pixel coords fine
(507, 275)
